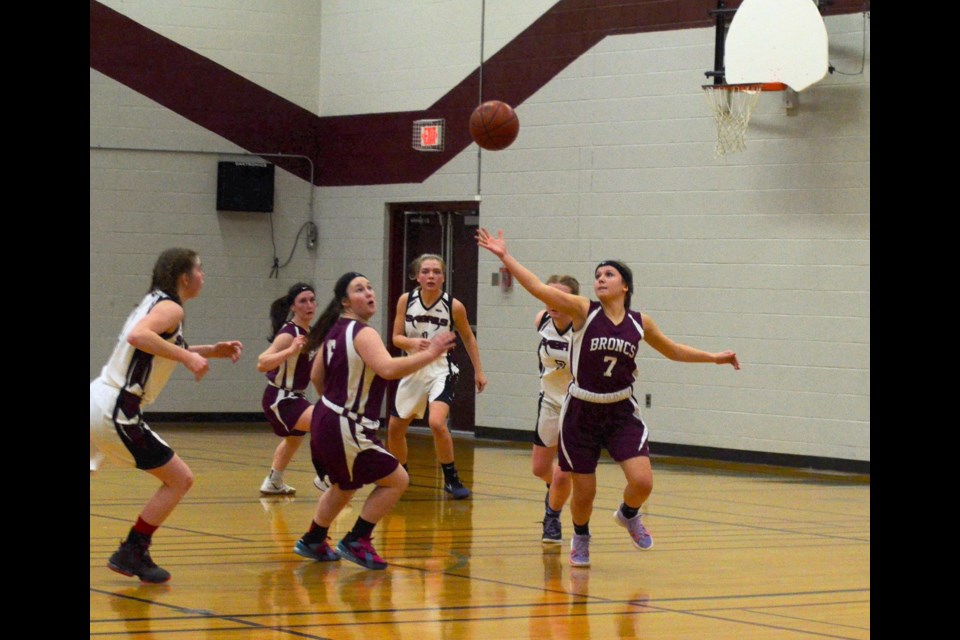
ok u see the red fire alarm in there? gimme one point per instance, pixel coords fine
(428, 135)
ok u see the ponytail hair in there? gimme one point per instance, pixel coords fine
(280, 308)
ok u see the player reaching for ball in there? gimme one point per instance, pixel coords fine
(599, 410)
(149, 348)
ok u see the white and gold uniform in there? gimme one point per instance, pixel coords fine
(554, 352)
(436, 381)
(129, 381)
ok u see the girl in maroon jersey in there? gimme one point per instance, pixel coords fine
(350, 374)
(600, 410)
(287, 365)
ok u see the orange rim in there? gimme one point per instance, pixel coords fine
(747, 86)
(773, 86)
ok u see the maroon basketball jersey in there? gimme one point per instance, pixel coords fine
(347, 380)
(293, 374)
(603, 354)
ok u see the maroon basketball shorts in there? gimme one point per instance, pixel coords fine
(283, 408)
(349, 452)
(588, 427)
(118, 430)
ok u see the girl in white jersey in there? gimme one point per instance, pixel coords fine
(421, 314)
(150, 346)
(554, 328)
(600, 410)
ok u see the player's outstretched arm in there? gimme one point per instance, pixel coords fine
(574, 306)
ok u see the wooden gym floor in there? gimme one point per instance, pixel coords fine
(740, 552)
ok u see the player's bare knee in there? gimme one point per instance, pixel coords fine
(182, 483)
(642, 486)
(543, 470)
(398, 479)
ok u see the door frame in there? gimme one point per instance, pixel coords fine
(397, 274)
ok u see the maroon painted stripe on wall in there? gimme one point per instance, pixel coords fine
(199, 89)
(374, 148)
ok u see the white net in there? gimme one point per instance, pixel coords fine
(731, 106)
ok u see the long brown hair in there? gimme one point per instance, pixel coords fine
(168, 268)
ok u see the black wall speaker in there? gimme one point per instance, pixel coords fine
(244, 186)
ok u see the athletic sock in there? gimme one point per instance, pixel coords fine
(628, 512)
(361, 529)
(449, 470)
(144, 528)
(315, 534)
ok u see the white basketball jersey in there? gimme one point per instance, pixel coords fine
(422, 322)
(135, 371)
(554, 352)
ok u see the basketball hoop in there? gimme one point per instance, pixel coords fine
(428, 135)
(732, 105)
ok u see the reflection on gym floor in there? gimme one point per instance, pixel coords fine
(740, 553)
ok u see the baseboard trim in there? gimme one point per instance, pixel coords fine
(517, 435)
(712, 453)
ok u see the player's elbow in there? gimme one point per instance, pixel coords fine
(137, 339)
(390, 370)
(389, 373)
(676, 355)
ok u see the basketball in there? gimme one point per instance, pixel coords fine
(494, 125)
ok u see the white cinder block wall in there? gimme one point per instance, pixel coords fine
(765, 251)
(142, 202)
